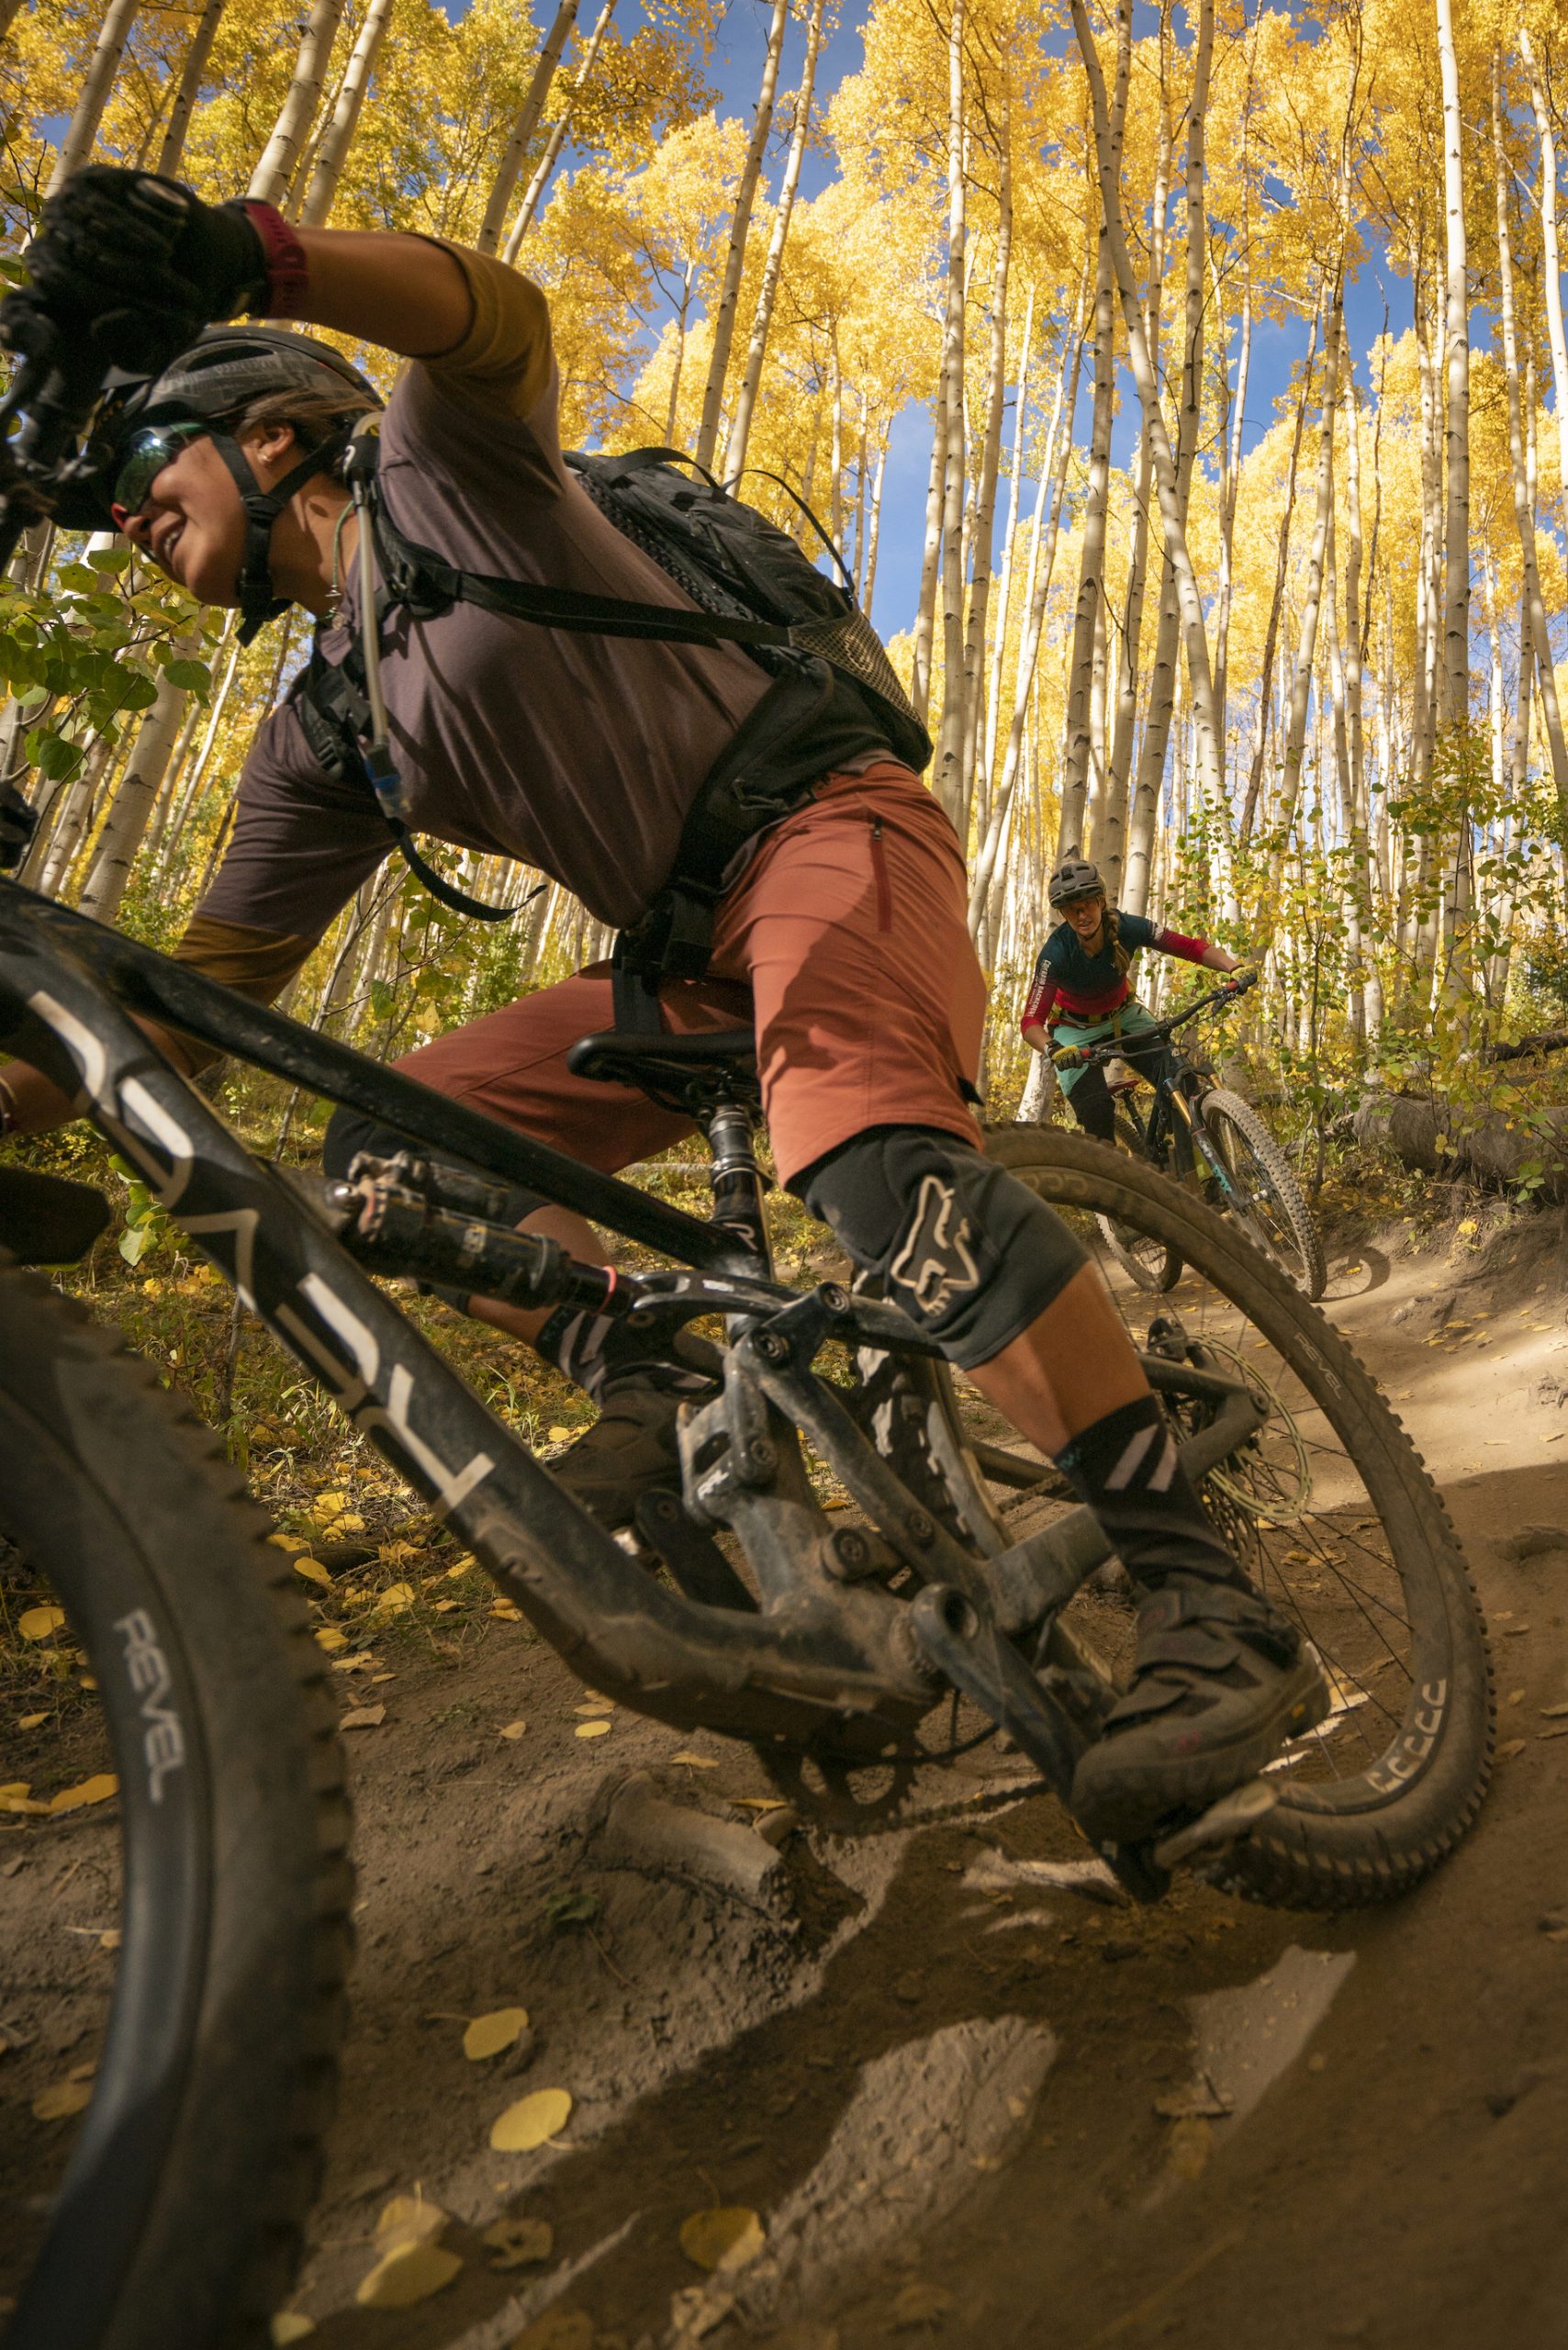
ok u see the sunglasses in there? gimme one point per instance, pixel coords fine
(143, 458)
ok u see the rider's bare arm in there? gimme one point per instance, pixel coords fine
(1219, 958)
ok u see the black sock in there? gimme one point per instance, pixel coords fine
(1127, 1469)
(597, 1351)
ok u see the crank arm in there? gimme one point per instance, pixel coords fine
(966, 1646)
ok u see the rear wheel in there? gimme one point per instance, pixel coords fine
(1328, 1507)
(1266, 1195)
(179, 2216)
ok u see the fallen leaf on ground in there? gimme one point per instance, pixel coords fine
(559, 1436)
(61, 2098)
(512, 1729)
(396, 1600)
(1188, 2148)
(39, 1623)
(557, 2330)
(920, 2304)
(725, 2238)
(328, 1637)
(597, 1728)
(1510, 1746)
(1553, 1713)
(758, 1803)
(110, 1937)
(1515, 1697)
(32, 1721)
(531, 2121)
(488, 2035)
(408, 2218)
(313, 1572)
(363, 1717)
(291, 2325)
(519, 2243)
(17, 1799)
(695, 1762)
(408, 2273)
(598, 1705)
(97, 1789)
(288, 1541)
(507, 1610)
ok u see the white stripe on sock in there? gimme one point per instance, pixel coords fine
(1126, 1466)
(1161, 1478)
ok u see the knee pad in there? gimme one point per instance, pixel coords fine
(968, 1251)
(350, 1131)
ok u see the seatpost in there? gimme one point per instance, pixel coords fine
(736, 1179)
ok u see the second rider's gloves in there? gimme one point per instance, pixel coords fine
(136, 266)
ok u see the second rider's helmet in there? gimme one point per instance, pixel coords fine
(1075, 877)
(137, 424)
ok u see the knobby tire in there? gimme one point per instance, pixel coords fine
(1222, 1108)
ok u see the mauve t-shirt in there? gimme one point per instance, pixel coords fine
(578, 755)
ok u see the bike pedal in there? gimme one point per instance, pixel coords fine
(1235, 1815)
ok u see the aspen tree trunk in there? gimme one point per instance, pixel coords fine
(505, 182)
(1532, 603)
(682, 310)
(740, 227)
(1042, 562)
(558, 138)
(772, 268)
(1551, 265)
(273, 173)
(1349, 904)
(186, 96)
(1301, 679)
(947, 775)
(76, 147)
(1361, 872)
(1281, 567)
(1456, 598)
(1193, 630)
(1233, 413)
(835, 456)
(332, 154)
(169, 789)
(134, 801)
(868, 568)
(985, 495)
(1004, 596)
(931, 555)
(75, 818)
(1092, 561)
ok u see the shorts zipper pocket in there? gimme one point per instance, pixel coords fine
(879, 873)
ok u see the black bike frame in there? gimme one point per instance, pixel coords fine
(1170, 1120)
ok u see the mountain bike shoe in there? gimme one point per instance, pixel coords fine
(1220, 1682)
(630, 1451)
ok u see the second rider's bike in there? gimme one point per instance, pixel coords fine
(1207, 1138)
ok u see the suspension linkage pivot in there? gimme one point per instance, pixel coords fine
(439, 1224)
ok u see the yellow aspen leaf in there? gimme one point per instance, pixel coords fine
(396, 1600)
(597, 1706)
(445, 1607)
(331, 1501)
(694, 1762)
(726, 2238)
(88, 1681)
(363, 1717)
(109, 1939)
(507, 1610)
(408, 2218)
(518, 2243)
(291, 2325)
(11, 1803)
(16, 1787)
(39, 1623)
(758, 1803)
(513, 1729)
(62, 2098)
(32, 1721)
(408, 2273)
(97, 1789)
(288, 1541)
(328, 1637)
(393, 1554)
(559, 1436)
(599, 1728)
(531, 2121)
(313, 1572)
(488, 2035)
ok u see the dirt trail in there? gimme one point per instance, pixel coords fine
(932, 2058)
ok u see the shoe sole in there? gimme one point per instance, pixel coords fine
(1124, 1801)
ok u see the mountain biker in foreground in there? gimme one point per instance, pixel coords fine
(840, 932)
(1080, 993)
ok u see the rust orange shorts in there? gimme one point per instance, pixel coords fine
(844, 943)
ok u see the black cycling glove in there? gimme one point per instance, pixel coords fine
(112, 234)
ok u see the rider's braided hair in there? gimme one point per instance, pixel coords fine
(1120, 955)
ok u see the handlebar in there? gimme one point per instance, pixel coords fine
(1086, 1056)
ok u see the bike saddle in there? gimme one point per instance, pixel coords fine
(685, 1072)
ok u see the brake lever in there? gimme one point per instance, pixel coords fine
(53, 392)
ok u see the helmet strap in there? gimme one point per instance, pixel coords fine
(259, 600)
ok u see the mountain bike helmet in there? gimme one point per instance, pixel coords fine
(221, 375)
(1074, 878)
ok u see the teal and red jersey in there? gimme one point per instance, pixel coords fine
(1071, 984)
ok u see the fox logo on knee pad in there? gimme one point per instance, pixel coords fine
(935, 1264)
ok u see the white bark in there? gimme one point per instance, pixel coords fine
(772, 268)
(1456, 584)
(1551, 259)
(138, 795)
(558, 138)
(270, 180)
(523, 127)
(740, 229)
(76, 147)
(947, 775)
(186, 96)
(332, 154)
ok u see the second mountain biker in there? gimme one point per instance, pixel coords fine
(840, 931)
